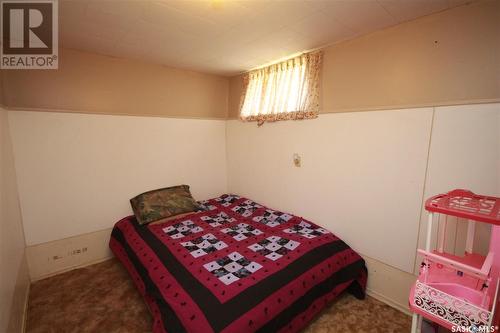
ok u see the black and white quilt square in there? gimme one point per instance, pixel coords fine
(206, 206)
(182, 229)
(274, 247)
(217, 219)
(241, 231)
(246, 208)
(306, 230)
(227, 199)
(232, 268)
(272, 218)
(202, 245)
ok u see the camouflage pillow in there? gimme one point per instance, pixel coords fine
(166, 202)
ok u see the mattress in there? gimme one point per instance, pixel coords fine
(236, 266)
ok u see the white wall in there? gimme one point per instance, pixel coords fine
(464, 153)
(14, 278)
(363, 174)
(77, 172)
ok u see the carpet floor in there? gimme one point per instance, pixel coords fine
(102, 298)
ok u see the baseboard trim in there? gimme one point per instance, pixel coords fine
(388, 301)
(38, 278)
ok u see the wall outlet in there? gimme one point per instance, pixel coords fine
(77, 251)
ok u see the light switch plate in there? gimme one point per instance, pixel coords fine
(297, 160)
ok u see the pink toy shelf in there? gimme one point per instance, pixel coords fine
(459, 292)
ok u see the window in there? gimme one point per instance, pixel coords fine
(286, 90)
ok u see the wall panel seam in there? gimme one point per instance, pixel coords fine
(423, 187)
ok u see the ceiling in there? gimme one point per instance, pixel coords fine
(226, 37)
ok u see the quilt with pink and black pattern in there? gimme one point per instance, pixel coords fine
(236, 266)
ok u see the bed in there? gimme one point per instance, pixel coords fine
(236, 266)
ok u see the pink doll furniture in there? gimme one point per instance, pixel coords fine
(452, 291)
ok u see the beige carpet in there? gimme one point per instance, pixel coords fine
(102, 298)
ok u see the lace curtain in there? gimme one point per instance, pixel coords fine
(283, 91)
